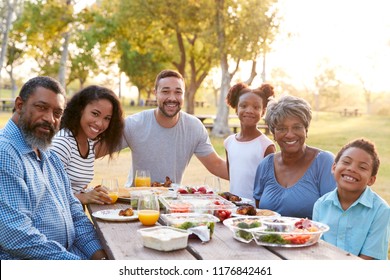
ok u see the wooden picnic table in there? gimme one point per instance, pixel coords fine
(7, 104)
(211, 117)
(234, 126)
(121, 241)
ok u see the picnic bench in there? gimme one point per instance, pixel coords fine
(234, 126)
(151, 102)
(7, 104)
(350, 113)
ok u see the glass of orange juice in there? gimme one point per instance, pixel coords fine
(148, 209)
(112, 187)
(142, 178)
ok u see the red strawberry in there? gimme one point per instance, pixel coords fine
(182, 191)
(202, 190)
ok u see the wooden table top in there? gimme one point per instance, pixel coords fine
(121, 241)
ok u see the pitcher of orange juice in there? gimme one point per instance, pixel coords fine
(142, 178)
(112, 187)
(148, 209)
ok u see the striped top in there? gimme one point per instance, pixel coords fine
(80, 169)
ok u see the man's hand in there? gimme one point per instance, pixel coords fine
(99, 255)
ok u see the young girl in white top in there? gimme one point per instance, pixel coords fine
(93, 115)
(246, 149)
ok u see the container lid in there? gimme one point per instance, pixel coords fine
(178, 218)
(197, 202)
(161, 232)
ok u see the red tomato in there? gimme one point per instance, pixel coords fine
(297, 239)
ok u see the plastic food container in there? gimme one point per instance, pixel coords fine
(299, 236)
(195, 203)
(242, 227)
(163, 238)
(280, 224)
(186, 221)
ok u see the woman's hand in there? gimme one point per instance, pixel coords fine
(97, 195)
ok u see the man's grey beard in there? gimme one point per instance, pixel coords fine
(30, 136)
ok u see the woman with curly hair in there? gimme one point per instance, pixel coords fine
(93, 115)
(246, 149)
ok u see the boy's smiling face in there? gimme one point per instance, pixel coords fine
(353, 171)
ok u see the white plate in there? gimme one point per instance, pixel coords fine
(235, 214)
(113, 215)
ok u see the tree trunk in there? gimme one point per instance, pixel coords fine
(221, 123)
(4, 39)
(367, 97)
(13, 82)
(190, 100)
(253, 73)
(64, 58)
(196, 79)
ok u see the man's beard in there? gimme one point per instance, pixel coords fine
(36, 139)
(166, 113)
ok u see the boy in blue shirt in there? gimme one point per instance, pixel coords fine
(359, 219)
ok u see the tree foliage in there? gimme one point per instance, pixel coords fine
(143, 37)
(166, 34)
(328, 88)
(40, 29)
(9, 11)
(243, 28)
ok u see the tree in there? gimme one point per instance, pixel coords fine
(140, 67)
(40, 29)
(327, 88)
(176, 33)
(367, 92)
(85, 57)
(64, 52)
(283, 82)
(242, 29)
(8, 9)
(14, 56)
(53, 34)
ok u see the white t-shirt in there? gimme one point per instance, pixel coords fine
(244, 158)
(80, 169)
(164, 151)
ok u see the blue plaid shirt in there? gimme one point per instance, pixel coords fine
(39, 216)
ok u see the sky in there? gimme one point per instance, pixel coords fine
(353, 35)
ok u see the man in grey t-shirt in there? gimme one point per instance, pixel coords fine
(164, 139)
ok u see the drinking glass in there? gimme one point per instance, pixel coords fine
(142, 178)
(214, 183)
(112, 187)
(148, 209)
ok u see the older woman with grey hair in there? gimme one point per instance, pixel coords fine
(290, 181)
